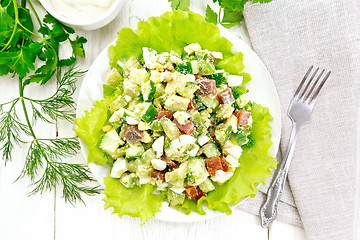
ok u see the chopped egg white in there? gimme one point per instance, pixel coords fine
(234, 81)
(119, 167)
(191, 48)
(158, 164)
(127, 98)
(203, 139)
(158, 146)
(221, 176)
(131, 121)
(177, 189)
(194, 151)
(186, 139)
(234, 151)
(182, 117)
(233, 162)
(117, 115)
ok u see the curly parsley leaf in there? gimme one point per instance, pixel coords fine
(180, 4)
(231, 12)
(211, 16)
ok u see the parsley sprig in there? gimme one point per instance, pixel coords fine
(229, 15)
(22, 49)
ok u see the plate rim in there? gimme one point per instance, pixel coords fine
(192, 217)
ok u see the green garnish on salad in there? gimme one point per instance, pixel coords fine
(176, 124)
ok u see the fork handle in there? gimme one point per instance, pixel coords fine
(269, 209)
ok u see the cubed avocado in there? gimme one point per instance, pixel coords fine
(171, 131)
(114, 77)
(187, 89)
(176, 103)
(134, 151)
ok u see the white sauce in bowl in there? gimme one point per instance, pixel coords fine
(81, 10)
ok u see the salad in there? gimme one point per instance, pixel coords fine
(179, 124)
(175, 124)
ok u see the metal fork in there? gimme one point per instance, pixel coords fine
(299, 112)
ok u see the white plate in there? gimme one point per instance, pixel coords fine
(261, 90)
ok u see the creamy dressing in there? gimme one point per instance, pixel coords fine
(81, 10)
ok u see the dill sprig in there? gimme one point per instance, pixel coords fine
(44, 165)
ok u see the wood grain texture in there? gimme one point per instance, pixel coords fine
(48, 217)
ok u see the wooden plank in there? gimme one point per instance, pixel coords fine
(23, 217)
(284, 231)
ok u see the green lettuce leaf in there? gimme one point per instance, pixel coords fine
(135, 202)
(173, 31)
(89, 129)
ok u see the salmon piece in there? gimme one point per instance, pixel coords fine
(194, 193)
(158, 175)
(224, 164)
(192, 107)
(164, 113)
(187, 128)
(168, 161)
(132, 134)
(242, 116)
(226, 97)
(207, 87)
(213, 164)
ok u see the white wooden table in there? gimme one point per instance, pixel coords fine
(47, 217)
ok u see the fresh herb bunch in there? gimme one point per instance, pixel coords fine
(21, 50)
(229, 15)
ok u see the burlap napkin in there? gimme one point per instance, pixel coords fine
(289, 36)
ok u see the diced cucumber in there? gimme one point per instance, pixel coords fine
(160, 90)
(175, 198)
(223, 133)
(199, 123)
(119, 102)
(210, 102)
(119, 152)
(148, 90)
(148, 156)
(110, 142)
(138, 76)
(156, 126)
(240, 137)
(207, 186)
(177, 103)
(149, 114)
(184, 68)
(132, 63)
(211, 150)
(134, 151)
(205, 67)
(187, 89)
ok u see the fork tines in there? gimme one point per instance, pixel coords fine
(307, 95)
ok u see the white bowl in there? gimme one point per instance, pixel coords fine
(92, 24)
